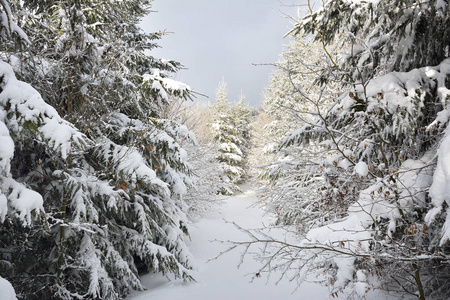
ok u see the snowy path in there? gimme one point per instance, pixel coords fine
(220, 279)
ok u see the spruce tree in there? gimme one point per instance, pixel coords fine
(228, 132)
(242, 117)
(106, 172)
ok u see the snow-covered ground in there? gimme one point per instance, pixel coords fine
(220, 278)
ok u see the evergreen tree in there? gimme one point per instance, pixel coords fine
(231, 131)
(242, 116)
(368, 169)
(92, 202)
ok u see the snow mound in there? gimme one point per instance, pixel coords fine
(7, 290)
(440, 188)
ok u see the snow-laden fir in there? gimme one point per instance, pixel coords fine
(92, 177)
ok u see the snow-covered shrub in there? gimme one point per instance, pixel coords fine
(293, 99)
(364, 166)
(206, 192)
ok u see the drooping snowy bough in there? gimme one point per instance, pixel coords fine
(91, 177)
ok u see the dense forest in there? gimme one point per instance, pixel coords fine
(105, 159)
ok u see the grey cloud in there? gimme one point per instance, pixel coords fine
(216, 39)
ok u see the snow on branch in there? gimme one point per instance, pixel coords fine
(7, 149)
(8, 23)
(128, 161)
(440, 189)
(19, 201)
(166, 87)
(27, 110)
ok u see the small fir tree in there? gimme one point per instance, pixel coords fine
(231, 130)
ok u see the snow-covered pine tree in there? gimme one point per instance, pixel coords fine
(376, 147)
(15, 198)
(107, 187)
(242, 118)
(229, 138)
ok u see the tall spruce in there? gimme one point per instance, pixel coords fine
(106, 173)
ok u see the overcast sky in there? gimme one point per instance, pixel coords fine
(216, 39)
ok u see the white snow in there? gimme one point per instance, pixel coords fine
(9, 24)
(29, 106)
(90, 258)
(6, 290)
(3, 207)
(164, 85)
(440, 189)
(59, 134)
(177, 182)
(221, 279)
(351, 235)
(416, 177)
(441, 6)
(23, 201)
(6, 149)
(131, 163)
(361, 169)
(345, 164)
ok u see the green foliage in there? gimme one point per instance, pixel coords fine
(386, 35)
(110, 173)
